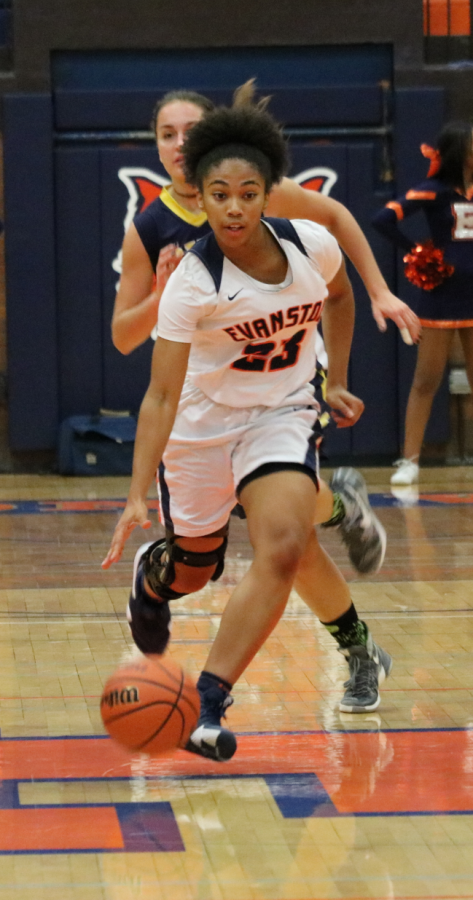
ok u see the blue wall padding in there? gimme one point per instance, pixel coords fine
(30, 269)
(200, 68)
(353, 104)
(125, 378)
(121, 109)
(305, 156)
(5, 27)
(419, 116)
(79, 282)
(373, 368)
(115, 110)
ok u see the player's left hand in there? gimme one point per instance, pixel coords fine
(387, 306)
(134, 515)
(346, 408)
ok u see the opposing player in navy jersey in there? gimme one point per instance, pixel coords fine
(154, 242)
(445, 199)
(230, 412)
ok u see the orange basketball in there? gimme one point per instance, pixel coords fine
(150, 705)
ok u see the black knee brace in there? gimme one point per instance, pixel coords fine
(159, 564)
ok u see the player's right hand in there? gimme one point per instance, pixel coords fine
(346, 408)
(388, 306)
(168, 260)
(134, 514)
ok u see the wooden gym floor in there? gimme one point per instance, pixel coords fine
(316, 804)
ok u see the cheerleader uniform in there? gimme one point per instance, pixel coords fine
(449, 215)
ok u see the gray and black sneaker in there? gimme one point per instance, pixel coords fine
(369, 666)
(361, 530)
(210, 738)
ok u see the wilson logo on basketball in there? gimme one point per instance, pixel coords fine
(144, 186)
(118, 698)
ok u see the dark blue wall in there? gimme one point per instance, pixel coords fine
(419, 115)
(30, 272)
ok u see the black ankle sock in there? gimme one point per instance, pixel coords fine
(338, 512)
(208, 679)
(348, 630)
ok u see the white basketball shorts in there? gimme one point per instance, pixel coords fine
(214, 447)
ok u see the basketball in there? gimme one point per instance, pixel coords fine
(150, 705)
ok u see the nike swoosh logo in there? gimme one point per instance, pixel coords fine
(235, 295)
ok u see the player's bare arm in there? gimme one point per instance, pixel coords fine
(137, 301)
(157, 414)
(290, 200)
(338, 324)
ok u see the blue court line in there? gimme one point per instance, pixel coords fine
(298, 796)
(70, 851)
(42, 507)
(105, 737)
(145, 826)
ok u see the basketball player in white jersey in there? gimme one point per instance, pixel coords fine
(230, 413)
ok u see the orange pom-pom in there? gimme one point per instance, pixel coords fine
(426, 266)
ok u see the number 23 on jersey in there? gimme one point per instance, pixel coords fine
(259, 357)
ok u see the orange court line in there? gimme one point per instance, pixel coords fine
(59, 759)
(406, 771)
(424, 772)
(447, 498)
(69, 829)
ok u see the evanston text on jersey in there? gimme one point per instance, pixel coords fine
(283, 318)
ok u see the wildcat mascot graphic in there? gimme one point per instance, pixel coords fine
(144, 186)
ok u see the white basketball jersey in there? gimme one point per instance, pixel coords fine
(253, 344)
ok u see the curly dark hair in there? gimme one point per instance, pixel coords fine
(180, 95)
(245, 132)
(454, 144)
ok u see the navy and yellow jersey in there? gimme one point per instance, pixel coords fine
(450, 220)
(320, 384)
(165, 222)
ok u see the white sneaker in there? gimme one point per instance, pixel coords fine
(406, 494)
(407, 472)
